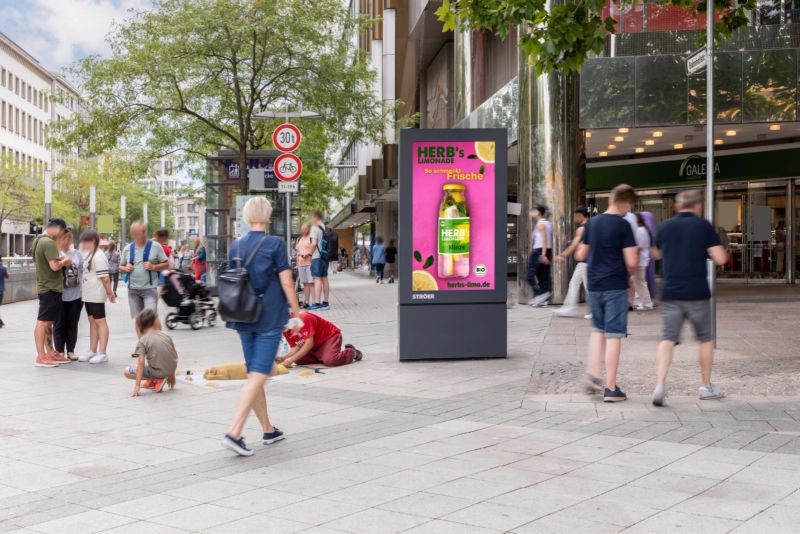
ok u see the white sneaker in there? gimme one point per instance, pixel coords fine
(710, 392)
(588, 316)
(86, 356)
(565, 311)
(100, 357)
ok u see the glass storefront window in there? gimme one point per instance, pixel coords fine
(661, 96)
(727, 91)
(770, 85)
(607, 93)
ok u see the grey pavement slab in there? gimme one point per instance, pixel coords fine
(480, 446)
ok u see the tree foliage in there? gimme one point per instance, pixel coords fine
(564, 35)
(20, 194)
(190, 76)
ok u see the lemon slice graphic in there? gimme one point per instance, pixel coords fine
(485, 151)
(423, 281)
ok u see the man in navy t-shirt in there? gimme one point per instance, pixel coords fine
(684, 243)
(610, 251)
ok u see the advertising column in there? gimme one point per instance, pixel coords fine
(452, 301)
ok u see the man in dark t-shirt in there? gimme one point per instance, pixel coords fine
(610, 251)
(684, 244)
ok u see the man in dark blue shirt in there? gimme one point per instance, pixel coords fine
(684, 244)
(610, 251)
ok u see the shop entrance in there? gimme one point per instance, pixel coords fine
(752, 219)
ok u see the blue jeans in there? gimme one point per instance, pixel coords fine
(260, 349)
(610, 312)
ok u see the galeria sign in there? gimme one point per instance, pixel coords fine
(287, 167)
(287, 137)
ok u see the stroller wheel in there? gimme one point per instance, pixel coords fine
(196, 321)
(170, 321)
(212, 318)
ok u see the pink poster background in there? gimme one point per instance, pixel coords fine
(427, 197)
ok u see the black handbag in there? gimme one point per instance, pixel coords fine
(238, 300)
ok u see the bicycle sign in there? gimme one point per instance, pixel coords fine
(286, 137)
(287, 167)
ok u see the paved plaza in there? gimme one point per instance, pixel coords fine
(419, 447)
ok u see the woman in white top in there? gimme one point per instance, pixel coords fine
(643, 242)
(96, 290)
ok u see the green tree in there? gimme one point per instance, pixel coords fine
(563, 35)
(113, 175)
(20, 194)
(189, 76)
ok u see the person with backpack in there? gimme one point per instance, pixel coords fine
(327, 250)
(142, 260)
(65, 329)
(96, 290)
(258, 263)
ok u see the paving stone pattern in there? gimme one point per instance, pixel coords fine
(480, 446)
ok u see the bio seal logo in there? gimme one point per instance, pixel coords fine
(695, 165)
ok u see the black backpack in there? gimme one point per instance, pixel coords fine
(329, 245)
(238, 300)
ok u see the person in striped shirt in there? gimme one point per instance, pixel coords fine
(96, 290)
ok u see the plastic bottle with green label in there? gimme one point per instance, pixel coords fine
(453, 228)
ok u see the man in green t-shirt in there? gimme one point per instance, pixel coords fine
(49, 285)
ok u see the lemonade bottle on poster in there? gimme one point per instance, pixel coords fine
(453, 227)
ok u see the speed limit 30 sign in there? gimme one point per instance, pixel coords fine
(286, 137)
(287, 167)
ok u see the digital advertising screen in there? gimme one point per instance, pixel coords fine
(453, 216)
(453, 225)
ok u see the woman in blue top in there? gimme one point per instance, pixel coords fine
(270, 274)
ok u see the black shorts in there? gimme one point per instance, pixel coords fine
(49, 306)
(96, 309)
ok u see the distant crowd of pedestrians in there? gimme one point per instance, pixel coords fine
(615, 253)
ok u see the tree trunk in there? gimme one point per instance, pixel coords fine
(245, 183)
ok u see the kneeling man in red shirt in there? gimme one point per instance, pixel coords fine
(318, 341)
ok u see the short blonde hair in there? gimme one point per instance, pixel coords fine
(257, 210)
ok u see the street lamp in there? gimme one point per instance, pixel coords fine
(144, 214)
(48, 195)
(286, 115)
(122, 215)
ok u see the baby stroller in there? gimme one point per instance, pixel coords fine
(192, 300)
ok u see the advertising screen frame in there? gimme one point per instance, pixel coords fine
(408, 137)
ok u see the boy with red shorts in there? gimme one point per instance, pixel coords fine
(318, 341)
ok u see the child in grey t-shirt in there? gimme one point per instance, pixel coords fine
(157, 356)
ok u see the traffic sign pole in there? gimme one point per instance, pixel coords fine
(712, 270)
(287, 167)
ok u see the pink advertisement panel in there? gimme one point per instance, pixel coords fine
(453, 228)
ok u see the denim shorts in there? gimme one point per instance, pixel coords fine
(260, 349)
(610, 312)
(319, 268)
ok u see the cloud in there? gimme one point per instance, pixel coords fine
(57, 32)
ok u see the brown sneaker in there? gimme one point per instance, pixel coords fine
(44, 361)
(59, 358)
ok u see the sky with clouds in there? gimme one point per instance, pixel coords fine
(57, 32)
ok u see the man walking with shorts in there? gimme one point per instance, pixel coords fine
(611, 253)
(49, 286)
(684, 243)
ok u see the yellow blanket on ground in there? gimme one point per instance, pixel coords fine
(237, 371)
